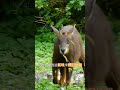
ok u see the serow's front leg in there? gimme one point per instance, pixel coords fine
(69, 71)
(62, 76)
(55, 75)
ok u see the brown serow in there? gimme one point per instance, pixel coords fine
(102, 67)
(67, 49)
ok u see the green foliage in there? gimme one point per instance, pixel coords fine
(16, 50)
(43, 49)
(44, 35)
(72, 87)
(116, 34)
(116, 25)
(43, 56)
(18, 27)
(45, 84)
(75, 4)
(57, 12)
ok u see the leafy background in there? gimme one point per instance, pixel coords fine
(64, 12)
(16, 53)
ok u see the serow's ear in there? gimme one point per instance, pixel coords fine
(71, 30)
(74, 26)
(55, 31)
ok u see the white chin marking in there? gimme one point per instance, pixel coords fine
(63, 53)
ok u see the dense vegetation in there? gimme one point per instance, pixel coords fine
(57, 13)
(63, 12)
(16, 46)
(16, 53)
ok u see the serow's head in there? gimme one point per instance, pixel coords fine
(64, 38)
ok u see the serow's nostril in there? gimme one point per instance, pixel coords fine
(63, 50)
